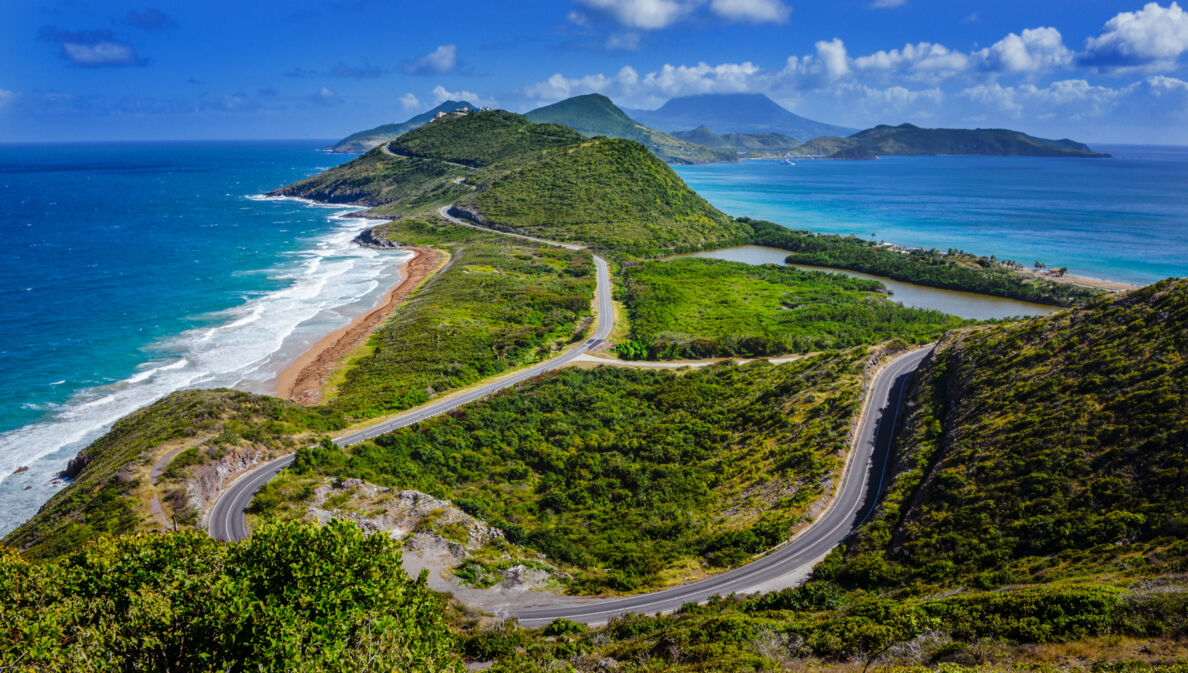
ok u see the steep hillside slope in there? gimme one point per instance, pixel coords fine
(910, 140)
(610, 193)
(1055, 447)
(596, 115)
(734, 113)
(364, 141)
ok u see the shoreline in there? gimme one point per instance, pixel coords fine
(303, 380)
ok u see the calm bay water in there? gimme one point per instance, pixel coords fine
(132, 270)
(1124, 218)
(963, 304)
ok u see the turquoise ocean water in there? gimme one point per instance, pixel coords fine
(1124, 218)
(132, 270)
(128, 271)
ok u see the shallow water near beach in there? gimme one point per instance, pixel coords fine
(1124, 218)
(133, 270)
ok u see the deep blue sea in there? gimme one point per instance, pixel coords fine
(1123, 218)
(128, 271)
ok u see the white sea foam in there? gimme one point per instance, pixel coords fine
(328, 283)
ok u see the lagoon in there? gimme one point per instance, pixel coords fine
(962, 304)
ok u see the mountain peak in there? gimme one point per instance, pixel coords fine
(734, 113)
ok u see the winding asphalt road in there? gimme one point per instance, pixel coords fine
(227, 520)
(858, 493)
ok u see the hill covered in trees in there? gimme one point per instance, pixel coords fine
(543, 179)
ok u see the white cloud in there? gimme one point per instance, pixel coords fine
(410, 102)
(1033, 50)
(829, 64)
(1076, 100)
(441, 95)
(644, 14)
(578, 18)
(437, 62)
(7, 97)
(558, 86)
(92, 48)
(887, 4)
(1152, 38)
(683, 80)
(623, 41)
(756, 11)
(922, 61)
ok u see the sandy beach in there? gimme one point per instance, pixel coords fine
(1086, 281)
(302, 381)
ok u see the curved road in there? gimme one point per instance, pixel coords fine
(227, 520)
(858, 493)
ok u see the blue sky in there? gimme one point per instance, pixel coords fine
(1093, 70)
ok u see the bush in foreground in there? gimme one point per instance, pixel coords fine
(292, 598)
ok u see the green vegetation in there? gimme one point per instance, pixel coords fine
(405, 184)
(544, 179)
(821, 627)
(482, 138)
(611, 194)
(101, 499)
(1049, 449)
(292, 598)
(364, 141)
(503, 302)
(910, 140)
(629, 476)
(952, 270)
(595, 115)
(750, 143)
(699, 308)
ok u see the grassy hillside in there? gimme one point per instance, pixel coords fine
(364, 141)
(952, 270)
(482, 138)
(501, 303)
(544, 179)
(106, 494)
(910, 140)
(633, 478)
(1054, 448)
(697, 308)
(596, 115)
(612, 194)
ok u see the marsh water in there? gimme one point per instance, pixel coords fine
(962, 304)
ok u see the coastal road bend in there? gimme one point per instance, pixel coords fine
(856, 496)
(859, 491)
(227, 519)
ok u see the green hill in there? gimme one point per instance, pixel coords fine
(613, 194)
(363, 141)
(911, 140)
(544, 179)
(740, 142)
(595, 115)
(1052, 448)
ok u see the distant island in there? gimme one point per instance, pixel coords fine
(711, 128)
(911, 140)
